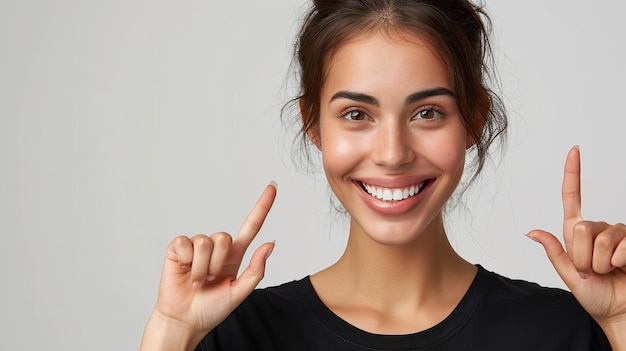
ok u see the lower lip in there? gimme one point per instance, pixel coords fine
(391, 207)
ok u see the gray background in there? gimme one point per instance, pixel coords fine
(124, 123)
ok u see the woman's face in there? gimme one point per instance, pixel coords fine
(392, 141)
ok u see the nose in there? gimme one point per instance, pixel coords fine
(392, 146)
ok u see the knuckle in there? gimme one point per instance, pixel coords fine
(583, 228)
(569, 195)
(222, 238)
(604, 241)
(180, 240)
(202, 241)
(178, 245)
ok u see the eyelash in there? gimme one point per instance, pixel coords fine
(349, 112)
(345, 113)
(439, 113)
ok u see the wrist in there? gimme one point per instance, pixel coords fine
(164, 333)
(615, 331)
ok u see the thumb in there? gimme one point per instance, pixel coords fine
(252, 275)
(560, 259)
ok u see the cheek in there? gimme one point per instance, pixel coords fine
(339, 151)
(448, 150)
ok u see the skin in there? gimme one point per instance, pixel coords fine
(405, 274)
(593, 262)
(200, 285)
(391, 144)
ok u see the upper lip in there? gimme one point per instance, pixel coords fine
(394, 182)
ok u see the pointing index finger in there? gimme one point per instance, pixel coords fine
(253, 222)
(571, 193)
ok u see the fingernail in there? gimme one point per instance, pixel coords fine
(185, 266)
(274, 184)
(196, 285)
(210, 278)
(271, 250)
(531, 236)
(577, 147)
(584, 275)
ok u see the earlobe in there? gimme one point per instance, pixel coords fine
(309, 127)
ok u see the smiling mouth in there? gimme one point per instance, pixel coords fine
(394, 194)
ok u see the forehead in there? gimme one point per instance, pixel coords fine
(378, 59)
(385, 64)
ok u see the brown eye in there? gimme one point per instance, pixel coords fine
(428, 113)
(355, 115)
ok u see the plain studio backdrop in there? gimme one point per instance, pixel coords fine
(124, 123)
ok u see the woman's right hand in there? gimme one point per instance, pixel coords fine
(199, 284)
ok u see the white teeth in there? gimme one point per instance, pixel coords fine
(396, 194)
(387, 196)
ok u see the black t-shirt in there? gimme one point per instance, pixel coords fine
(496, 313)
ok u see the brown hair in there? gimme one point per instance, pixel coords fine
(455, 28)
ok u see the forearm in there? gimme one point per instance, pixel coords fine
(163, 334)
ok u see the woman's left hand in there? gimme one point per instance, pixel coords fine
(593, 263)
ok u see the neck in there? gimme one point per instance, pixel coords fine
(418, 273)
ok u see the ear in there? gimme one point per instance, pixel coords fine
(312, 131)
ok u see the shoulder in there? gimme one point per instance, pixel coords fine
(503, 289)
(524, 310)
(520, 295)
(268, 319)
(274, 305)
(295, 294)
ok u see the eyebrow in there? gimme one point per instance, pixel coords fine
(368, 99)
(421, 95)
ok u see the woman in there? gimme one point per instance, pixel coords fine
(394, 96)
